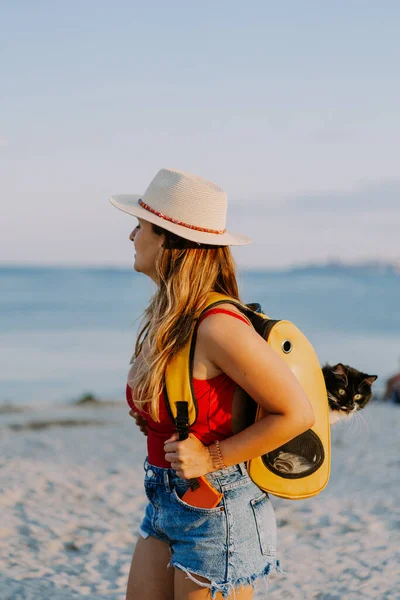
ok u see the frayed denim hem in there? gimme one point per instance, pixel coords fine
(227, 588)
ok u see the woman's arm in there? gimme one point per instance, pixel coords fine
(246, 357)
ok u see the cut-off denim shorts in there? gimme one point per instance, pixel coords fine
(231, 545)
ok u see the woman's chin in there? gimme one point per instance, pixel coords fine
(136, 266)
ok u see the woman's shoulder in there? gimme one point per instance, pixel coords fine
(222, 313)
(230, 320)
(220, 330)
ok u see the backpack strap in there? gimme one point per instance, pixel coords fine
(178, 385)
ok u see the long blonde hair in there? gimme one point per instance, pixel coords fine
(186, 273)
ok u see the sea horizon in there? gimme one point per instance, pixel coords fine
(327, 264)
(70, 330)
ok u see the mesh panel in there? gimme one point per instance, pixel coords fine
(298, 458)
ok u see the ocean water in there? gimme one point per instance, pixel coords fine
(69, 331)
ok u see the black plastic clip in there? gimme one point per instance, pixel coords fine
(182, 419)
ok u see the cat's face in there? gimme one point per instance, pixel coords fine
(348, 390)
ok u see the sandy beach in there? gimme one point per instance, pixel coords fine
(72, 500)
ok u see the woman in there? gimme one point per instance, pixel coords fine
(181, 243)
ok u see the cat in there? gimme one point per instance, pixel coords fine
(348, 390)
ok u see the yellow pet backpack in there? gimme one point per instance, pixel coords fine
(300, 468)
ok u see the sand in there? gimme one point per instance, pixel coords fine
(72, 499)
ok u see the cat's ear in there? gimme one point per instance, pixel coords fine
(340, 371)
(369, 380)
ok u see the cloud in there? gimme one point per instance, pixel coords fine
(4, 143)
(360, 224)
(375, 196)
(368, 197)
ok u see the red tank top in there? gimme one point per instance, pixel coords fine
(214, 419)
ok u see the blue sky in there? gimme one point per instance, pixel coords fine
(292, 107)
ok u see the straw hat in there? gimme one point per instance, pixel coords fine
(188, 205)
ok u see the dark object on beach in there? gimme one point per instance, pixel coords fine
(392, 390)
(88, 399)
(9, 408)
(349, 390)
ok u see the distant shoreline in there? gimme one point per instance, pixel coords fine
(328, 267)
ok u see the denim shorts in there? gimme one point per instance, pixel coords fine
(231, 545)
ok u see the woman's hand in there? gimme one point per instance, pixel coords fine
(141, 422)
(189, 458)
